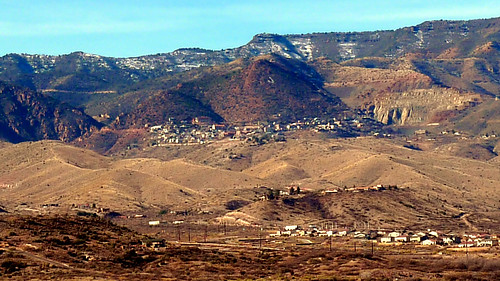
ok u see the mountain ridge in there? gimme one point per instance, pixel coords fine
(392, 76)
(424, 36)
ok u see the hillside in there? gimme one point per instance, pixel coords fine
(432, 186)
(258, 89)
(53, 173)
(26, 115)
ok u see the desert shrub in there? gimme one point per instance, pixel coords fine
(11, 266)
(289, 201)
(236, 204)
(85, 214)
(491, 265)
(472, 264)
(79, 242)
(131, 259)
(82, 236)
(459, 276)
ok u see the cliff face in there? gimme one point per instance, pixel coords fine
(421, 106)
(27, 115)
(395, 91)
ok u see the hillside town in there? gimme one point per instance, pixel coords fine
(201, 130)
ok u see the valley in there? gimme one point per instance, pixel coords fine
(205, 178)
(352, 156)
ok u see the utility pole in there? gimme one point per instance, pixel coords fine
(189, 233)
(355, 246)
(206, 230)
(260, 238)
(330, 243)
(467, 252)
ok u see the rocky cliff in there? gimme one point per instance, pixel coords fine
(27, 115)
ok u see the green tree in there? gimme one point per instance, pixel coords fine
(270, 194)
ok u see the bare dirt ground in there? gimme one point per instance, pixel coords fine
(40, 248)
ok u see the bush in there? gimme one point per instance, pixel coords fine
(236, 204)
(85, 214)
(12, 266)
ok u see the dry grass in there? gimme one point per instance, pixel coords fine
(205, 178)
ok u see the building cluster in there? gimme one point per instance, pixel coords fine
(355, 189)
(202, 130)
(427, 238)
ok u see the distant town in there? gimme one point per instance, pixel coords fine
(201, 130)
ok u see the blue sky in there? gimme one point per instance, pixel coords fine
(132, 28)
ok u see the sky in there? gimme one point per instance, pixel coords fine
(129, 28)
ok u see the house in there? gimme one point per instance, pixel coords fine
(488, 243)
(330, 191)
(291, 227)
(323, 233)
(415, 238)
(394, 234)
(385, 239)
(359, 235)
(448, 240)
(152, 223)
(429, 242)
(401, 238)
(342, 232)
(434, 233)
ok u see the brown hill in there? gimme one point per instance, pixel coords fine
(422, 188)
(27, 115)
(53, 173)
(261, 88)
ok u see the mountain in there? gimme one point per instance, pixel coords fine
(432, 39)
(26, 115)
(87, 72)
(256, 89)
(393, 76)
